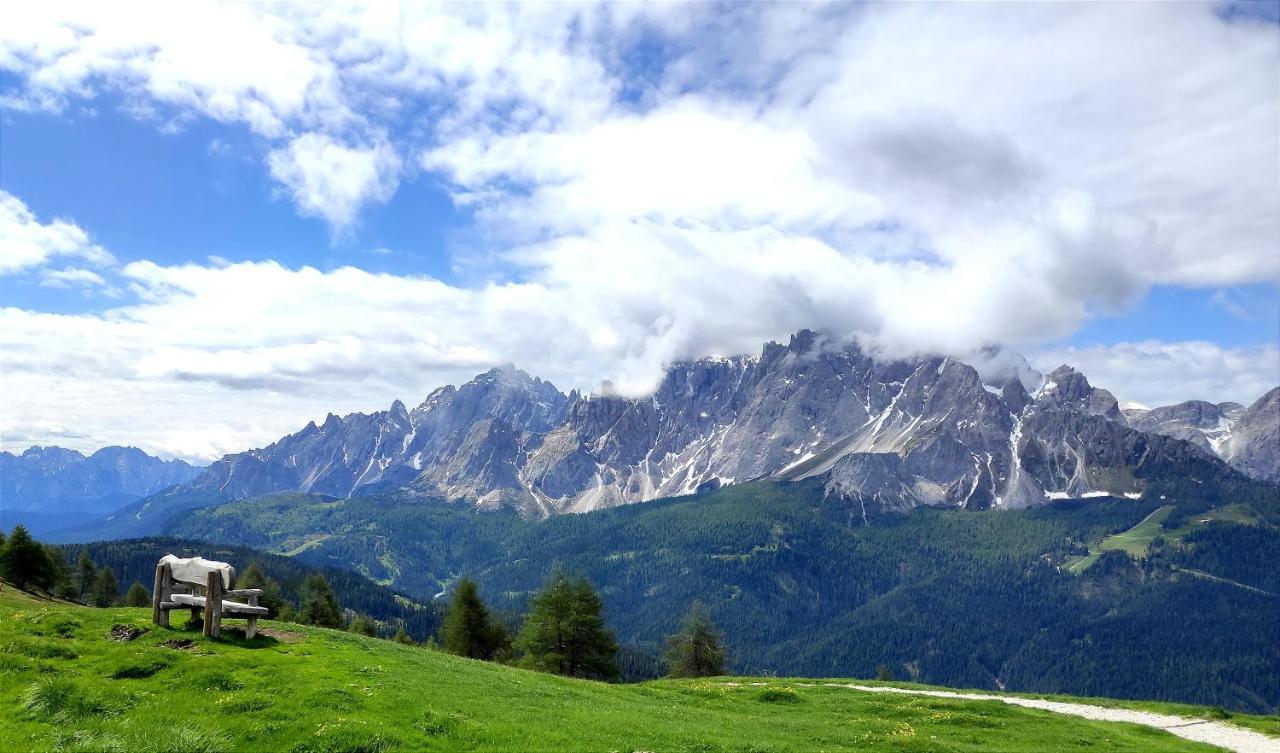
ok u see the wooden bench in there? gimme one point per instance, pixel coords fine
(199, 584)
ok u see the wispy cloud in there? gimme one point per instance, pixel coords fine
(27, 243)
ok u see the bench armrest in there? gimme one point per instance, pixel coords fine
(252, 593)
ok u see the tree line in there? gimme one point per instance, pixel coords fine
(30, 565)
(562, 633)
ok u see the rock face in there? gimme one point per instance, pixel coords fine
(1247, 438)
(928, 431)
(1254, 446)
(57, 481)
(460, 443)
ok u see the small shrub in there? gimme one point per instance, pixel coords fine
(183, 739)
(246, 704)
(215, 680)
(83, 741)
(346, 740)
(1217, 712)
(434, 724)
(779, 695)
(66, 628)
(39, 650)
(56, 699)
(141, 669)
(12, 664)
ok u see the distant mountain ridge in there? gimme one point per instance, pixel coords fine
(896, 434)
(48, 485)
(1247, 438)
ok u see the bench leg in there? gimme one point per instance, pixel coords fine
(251, 627)
(213, 605)
(157, 594)
(163, 619)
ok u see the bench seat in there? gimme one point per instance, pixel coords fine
(233, 607)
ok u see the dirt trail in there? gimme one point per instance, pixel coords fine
(1200, 730)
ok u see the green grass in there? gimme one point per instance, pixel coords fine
(67, 687)
(1228, 514)
(1137, 540)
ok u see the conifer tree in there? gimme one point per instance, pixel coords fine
(468, 629)
(363, 624)
(86, 573)
(564, 632)
(106, 591)
(60, 573)
(695, 650)
(137, 596)
(319, 605)
(254, 577)
(25, 562)
(402, 636)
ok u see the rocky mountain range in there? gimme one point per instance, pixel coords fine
(44, 486)
(1247, 438)
(894, 434)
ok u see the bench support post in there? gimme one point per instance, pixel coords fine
(213, 605)
(158, 594)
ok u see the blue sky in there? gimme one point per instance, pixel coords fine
(242, 245)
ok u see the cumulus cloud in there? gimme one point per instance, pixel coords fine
(654, 182)
(27, 243)
(333, 181)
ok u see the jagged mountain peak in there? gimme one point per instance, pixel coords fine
(893, 432)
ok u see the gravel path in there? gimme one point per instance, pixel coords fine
(1200, 730)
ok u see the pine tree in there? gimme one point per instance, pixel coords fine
(60, 573)
(468, 629)
(137, 596)
(695, 650)
(86, 573)
(254, 577)
(319, 605)
(25, 562)
(402, 637)
(363, 624)
(106, 592)
(564, 632)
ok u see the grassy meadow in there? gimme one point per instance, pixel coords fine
(69, 686)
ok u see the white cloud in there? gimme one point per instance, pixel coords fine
(27, 243)
(71, 277)
(330, 180)
(1153, 373)
(927, 177)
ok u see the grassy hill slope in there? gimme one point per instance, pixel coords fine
(68, 686)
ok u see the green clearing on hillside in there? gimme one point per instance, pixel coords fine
(1136, 541)
(67, 687)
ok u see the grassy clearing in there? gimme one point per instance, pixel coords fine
(1133, 541)
(68, 687)
(1137, 540)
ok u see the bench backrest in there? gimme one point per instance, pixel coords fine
(195, 570)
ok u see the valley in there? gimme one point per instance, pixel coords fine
(802, 585)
